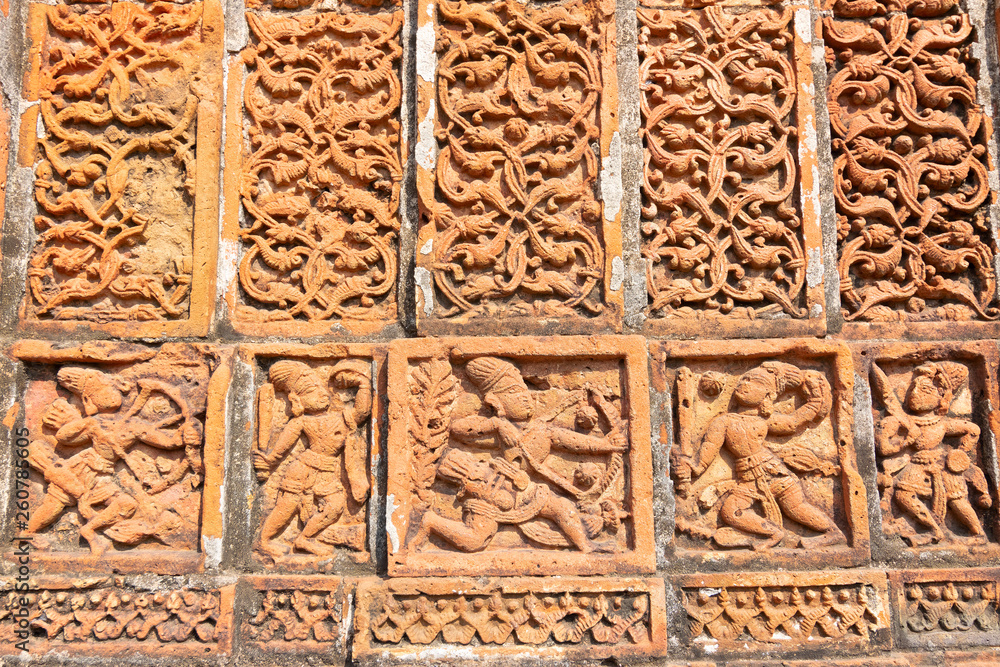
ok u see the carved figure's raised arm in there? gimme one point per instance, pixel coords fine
(819, 399)
(569, 440)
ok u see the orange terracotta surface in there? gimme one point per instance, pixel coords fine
(762, 455)
(785, 612)
(511, 229)
(946, 607)
(125, 459)
(297, 615)
(111, 618)
(507, 619)
(314, 452)
(126, 168)
(314, 230)
(543, 439)
(726, 99)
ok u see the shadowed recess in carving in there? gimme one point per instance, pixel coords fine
(119, 94)
(909, 146)
(322, 174)
(515, 212)
(721, 225)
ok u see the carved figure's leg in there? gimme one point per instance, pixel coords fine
(792, 501)
(319, 522)
(735, 512)
(284, 509)
(912, 505)
(471, 535)
(966, 515)
(47, 512)
(119, 507)
(564, 514)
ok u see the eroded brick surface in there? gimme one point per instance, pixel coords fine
(729, 227)
(946, 607)
(124, 466)
(312, 454)
(125, 165)
(110, 618)
(762, 457)
(512, 223)
(785, 612)
(544, 444)
(910, 163)
(320, 173)
(297, 615)
(414, 619)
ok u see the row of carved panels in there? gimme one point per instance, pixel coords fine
(504, 456)
(772, 614)
(518, 169)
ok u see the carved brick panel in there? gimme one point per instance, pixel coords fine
(910, 165)
(761, 453)
(314, 442)
(934, 444)
(297, 615)
(126, 167)
(319, 174)
(785, 612)
(519, 456)
(517, 111)
(108, 618)
(730, 228)
(947, 607)
(424, 619)
(124, 463)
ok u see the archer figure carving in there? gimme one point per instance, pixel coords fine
(139, 474)
(518, 465)
(927, 459)
(763, 489)
(325, 483)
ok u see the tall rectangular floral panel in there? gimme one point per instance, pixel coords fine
(314, 146)
(126, 167)
(517, 122)
(911, 168)
(730, 229)
(511, 456)
(761, 453)
(125, 457)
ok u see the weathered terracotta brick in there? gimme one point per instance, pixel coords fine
(762, 454)
(126, 168)
(933, 442)
(315, 439)
(297, 615)
(501, 619)
(911, 182)
(513, 233)
(545, 442)
(314, 150)
(783, 613)
(112, 618)
(946, 608)
(730, 220)
(125, 456)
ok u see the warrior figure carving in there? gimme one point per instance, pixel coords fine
(922, 476)
(761, 477)
(312, 485)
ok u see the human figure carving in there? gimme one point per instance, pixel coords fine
(313, 484)
(922, 475)
(760, 476)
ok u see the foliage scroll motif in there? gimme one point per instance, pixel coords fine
(517, 224)
(321, 185)
(115, 183)
(722, 230)
(909, 144)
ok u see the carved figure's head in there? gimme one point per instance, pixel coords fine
(934, 386)
(502, 387)
(99, 392)
(305, 389)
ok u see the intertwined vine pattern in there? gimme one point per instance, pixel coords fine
(518, 224)
(119, 94)
(720, 222)
(321, 185)
(909, 142)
